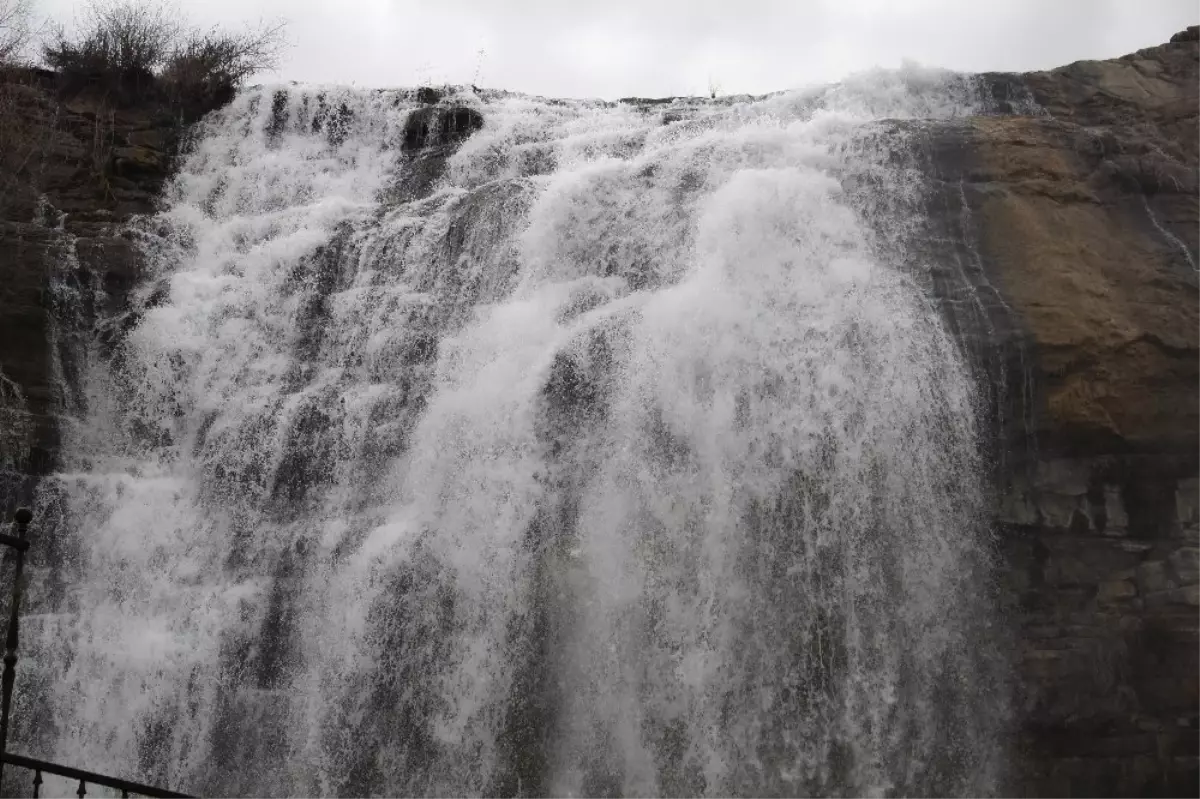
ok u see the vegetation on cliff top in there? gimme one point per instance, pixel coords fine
(16, 29)
(102, 104)
(138, 51)
(130, 48)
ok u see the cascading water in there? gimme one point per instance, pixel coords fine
(623, 458)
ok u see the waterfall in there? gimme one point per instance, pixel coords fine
(614, 449)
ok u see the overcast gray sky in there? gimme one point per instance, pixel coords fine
(615, 48)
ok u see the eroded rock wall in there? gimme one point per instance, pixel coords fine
(1075, 236)
(73, 170)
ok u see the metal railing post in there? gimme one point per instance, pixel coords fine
(20, 544)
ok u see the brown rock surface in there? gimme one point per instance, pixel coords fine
(1086, 221)
(1108, 298)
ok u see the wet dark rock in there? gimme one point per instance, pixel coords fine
(334, 122)
(410, 633)
(316, 278)
(93, 165)
(1007, 92)
(279, 115)
(1190, 34)
(433, 126)
(427, 95)
(307, 458)
(430, 136)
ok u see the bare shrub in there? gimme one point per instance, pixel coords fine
(209, 66)
(126, 48)
(16, 28)
(120, 47)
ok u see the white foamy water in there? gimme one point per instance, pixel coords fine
(626, 460)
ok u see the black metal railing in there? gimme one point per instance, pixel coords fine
(85, 778)
(20, 544)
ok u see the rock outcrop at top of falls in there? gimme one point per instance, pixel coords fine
(1069, 217)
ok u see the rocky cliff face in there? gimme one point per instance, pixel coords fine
(1067, 247)
(73, 170)
(1079, 230)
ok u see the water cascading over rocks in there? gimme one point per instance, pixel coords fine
(586, 454)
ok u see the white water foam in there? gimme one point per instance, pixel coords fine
(625, 461)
